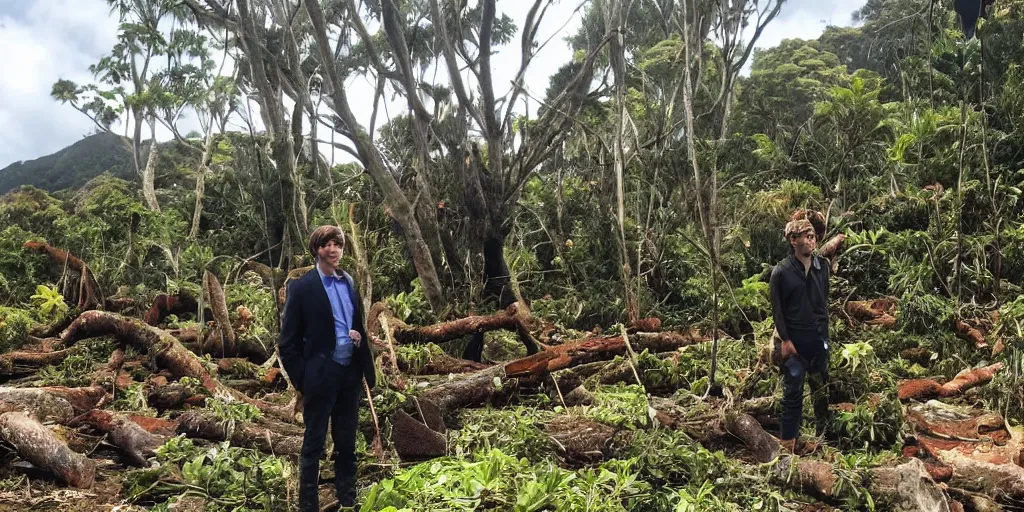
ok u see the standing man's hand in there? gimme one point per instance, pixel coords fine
(788, 350)
(357, 339)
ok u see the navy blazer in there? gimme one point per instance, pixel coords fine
(307, 339)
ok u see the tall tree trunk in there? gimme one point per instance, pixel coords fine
(149, 172)
(400, 207)
(282, 150)
(615, 16)
(204, 163)
(424, 204)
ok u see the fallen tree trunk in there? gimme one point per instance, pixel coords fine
(491, 384)
(478, 388)
(165, 350)
(581, 441)
(592, 349)
(87, 290)
(438, 364)
(919, 389)
(20, 363)
(510, 319)
(204, 425)
(36, 444)
(136, 443)
(448, 331)
(1005, 480)
(907, 486)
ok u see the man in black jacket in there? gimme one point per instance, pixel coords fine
(799, 296)
(323, 348)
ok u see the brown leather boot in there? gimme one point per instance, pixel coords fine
(788, 445)
(805, 447)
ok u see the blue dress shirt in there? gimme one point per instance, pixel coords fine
(340, 295)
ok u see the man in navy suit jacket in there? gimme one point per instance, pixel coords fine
(323, 348)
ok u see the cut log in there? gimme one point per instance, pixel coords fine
(36, 444)
(413, 440)
(164, 305)
(136, 443)
(919, 389)
(214, 293)
(88, 297)
(204, 425)
(485, 386)
(38, 404)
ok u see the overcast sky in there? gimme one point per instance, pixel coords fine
(42, 41)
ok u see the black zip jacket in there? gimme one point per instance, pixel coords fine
(800, 299)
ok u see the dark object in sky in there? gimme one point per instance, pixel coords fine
(970, 11)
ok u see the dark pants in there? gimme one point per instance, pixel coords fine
(333, 397)
(811, 358)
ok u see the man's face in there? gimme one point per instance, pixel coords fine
(331, 253)
(805, 244)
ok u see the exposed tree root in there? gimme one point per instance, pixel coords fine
(173, 396)
(81, 399)
(164, 305)
(831, 247)
(163, 348)
(225, 334)
(88, 296)
(36, 444)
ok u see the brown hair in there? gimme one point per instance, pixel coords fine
(324, 234)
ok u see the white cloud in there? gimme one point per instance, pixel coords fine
(44, 41)
(807, 19)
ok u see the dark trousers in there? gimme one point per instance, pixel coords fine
(812, 360)
(332, 397)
